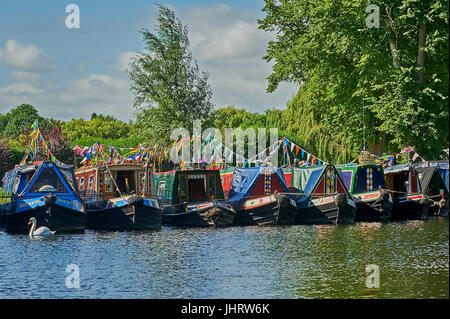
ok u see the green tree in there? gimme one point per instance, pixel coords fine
(169, 89)
(19, 120)
(98, 127)
(397, 73)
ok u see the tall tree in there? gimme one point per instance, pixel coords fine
(169, 89)
(19, 119)
(393, 78)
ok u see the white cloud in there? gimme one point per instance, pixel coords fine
(20, 88)
(25, 57)
(228, 45)
(225, 41)
(123, 61)
(225, 33)
(97, 93)
(25, 76)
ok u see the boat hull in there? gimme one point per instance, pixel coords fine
(201, 215)
(376, 210)
(58, 218)
(135, 215)
(411, 207)
(327, 210)
(266, 211)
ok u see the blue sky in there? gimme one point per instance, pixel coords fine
(70, 73)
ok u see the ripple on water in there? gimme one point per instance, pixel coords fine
(237, 262)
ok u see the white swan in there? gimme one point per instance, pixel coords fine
(40, 232)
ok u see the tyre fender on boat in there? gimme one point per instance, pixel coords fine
(386, 203)
(346, 211)
(425, 204)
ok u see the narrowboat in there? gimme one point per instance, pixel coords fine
(46, 191)
(367, 186)
(402, 182)
(320, 195)
(119, 197)
(260, 197)
(432, 185)
(193, 198)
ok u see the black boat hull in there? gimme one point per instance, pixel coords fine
(211, 215)
(329, 210)
(413, 209)
(273, 210)
(135, 216)
(372, 212)
(58, 218)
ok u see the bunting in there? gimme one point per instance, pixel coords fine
(37, 144)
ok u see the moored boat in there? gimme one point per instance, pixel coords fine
(321, 196)
(260, 197)
(46, 191)
(119, 197)
(432, 185)
(403, 184)
(367, 186)
(193, 198)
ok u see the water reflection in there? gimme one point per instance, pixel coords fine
(238, 262)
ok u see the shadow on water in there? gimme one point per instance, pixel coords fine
(237, 262)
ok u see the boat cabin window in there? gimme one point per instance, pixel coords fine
(125, 181)
(81, 183)
(347, 177)
(91, 182)
(162, 189)
(48, 182)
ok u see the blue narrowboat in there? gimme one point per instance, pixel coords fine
(46, 191)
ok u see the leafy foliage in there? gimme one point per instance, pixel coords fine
(169, 89)
(345, 67)
(19, 120)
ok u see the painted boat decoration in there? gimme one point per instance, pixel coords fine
(259, 196)
(193, 198)
(119, 197)
(321, 196)
(367, 185)
(402, 182)
(46, 191)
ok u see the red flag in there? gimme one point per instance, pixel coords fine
(296, 150)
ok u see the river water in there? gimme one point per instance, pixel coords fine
(237, 262)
